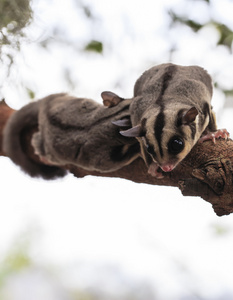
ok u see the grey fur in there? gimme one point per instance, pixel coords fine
(160, 95)
(79, 131)
(190, 85)
(21, 120)
(72, 130)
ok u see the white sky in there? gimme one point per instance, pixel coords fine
(148, 231)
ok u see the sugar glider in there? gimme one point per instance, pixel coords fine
(72, 130)
(170, 111)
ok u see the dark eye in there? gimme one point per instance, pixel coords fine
(175, 145)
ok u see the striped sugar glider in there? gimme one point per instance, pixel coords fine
(170, 111)
(75, 131)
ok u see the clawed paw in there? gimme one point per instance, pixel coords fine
(220, 133)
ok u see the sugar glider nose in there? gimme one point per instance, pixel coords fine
(167, 168)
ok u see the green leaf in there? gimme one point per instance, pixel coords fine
(220, 230)
(226, 34)
(195, 26)
(31, 94)
(94, 46)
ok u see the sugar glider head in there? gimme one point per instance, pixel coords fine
(167, 137)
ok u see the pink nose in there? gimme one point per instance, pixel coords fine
(167, 168)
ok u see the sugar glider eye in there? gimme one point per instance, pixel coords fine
(175, 145)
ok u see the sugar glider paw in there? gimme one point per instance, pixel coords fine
(220, 133)
(154, 171)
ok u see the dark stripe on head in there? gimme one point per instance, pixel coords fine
(193, 129)
(158, 129)
(143, 126)
(179, 117)
(179, 122)
(160, 120)
(149, 147)
(167, 77)
(206, 111)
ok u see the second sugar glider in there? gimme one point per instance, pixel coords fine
(78, 131)
(170, 111)
(71, 130)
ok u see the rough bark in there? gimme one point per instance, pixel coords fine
(5, 112)
(206, 172)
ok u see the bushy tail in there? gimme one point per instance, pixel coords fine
(19, 122)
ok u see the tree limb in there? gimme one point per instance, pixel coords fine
(5, 113)
(206, 172)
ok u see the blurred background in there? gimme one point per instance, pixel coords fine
(103, 238)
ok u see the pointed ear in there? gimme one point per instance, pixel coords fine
(123, 123)
(135, 131)
(110, 99)
(189, 116)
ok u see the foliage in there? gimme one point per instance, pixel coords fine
(15, 15)
(94, 46)
(16, 259)
(225, 34)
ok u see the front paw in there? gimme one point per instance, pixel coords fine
(220, 133)
(154, 171)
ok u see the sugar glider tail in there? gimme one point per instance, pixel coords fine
(19, 121)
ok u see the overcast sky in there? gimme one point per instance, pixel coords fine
(149, 231)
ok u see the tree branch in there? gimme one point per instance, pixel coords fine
(5, 113)
(206, 172)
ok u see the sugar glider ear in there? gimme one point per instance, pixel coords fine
(189, 116)
(135, 131)
(123, 122)
(110, 99)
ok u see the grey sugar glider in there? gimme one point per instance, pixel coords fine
(170, 111)
(72, 130)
